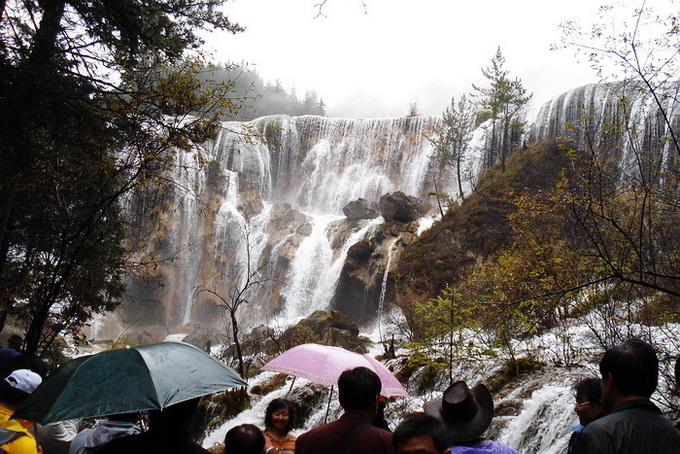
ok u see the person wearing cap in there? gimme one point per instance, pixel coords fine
(15, 437)
(466, 414)
(15, 342)
(8, 355)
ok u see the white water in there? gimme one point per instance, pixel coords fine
(317, 165)
(383, 287)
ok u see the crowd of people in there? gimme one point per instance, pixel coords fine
(614, 411)
(615, 414)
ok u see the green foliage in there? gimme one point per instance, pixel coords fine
(501, 271)
(452, 135)
(501, 102)
(511, 371)
(95, 98)
(260, 99)
(277, 381)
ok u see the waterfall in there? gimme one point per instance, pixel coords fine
(286, 180)
(308, 271)
(383, 286)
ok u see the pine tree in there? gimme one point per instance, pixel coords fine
(502, 103)
(452, 135)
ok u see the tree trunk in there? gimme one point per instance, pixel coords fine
(44, 44)
(237, 343)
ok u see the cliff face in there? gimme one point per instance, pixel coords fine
(269, 195)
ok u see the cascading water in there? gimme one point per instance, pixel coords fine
(292, 176)
(285, 181)
(288, 191)
(383, 286)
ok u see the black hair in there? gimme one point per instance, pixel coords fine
(420, 424)
(180, 414)
(276, 405)
(634, 368)
(33, 363)
(591, 388)
(244, 439)
(358, 388)
(11, 395)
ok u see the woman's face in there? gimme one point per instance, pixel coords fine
(587, 411)
(280, 419)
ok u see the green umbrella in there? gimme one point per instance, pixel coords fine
(127, 380)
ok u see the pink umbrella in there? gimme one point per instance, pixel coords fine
(323, 364)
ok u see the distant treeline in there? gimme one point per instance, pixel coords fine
(260, 99)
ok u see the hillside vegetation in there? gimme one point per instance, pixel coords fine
(517, 257)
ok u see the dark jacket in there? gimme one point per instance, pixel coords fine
(325, 439)
(635, 427)
(165, 440)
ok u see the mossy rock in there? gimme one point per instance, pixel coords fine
(326, 328)
(275, 382)
(511, 372)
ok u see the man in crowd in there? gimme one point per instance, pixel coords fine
(632, 424)
(352, 433)
(14, 390)
(244, 439)
(168, 433)
(420, 433)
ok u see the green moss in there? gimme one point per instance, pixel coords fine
(275, 382)
(511, 372)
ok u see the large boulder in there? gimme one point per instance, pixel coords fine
(360, 209)
(402, 208)
(328, 328)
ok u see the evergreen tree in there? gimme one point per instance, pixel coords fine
(501, 102)
(94, 96)
(452, 135)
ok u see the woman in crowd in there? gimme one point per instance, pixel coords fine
(278, 420)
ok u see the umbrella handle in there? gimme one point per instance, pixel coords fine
(328, 406)
(291, 385)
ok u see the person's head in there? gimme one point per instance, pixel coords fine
(31, 362)
(465, 412)
(280, 415)
(629, 369)
(178, 415)
(15, 342)
(589, 405)
(358, 389)
(17, 386)
(244, 439)
(420, 433)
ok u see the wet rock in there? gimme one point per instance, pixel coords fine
(250, 199)
(328, 328)
(360, 209)
(400, 207)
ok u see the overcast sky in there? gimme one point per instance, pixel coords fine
(376, 61)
